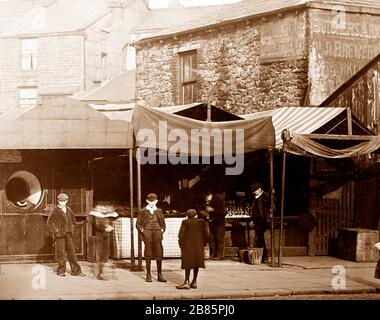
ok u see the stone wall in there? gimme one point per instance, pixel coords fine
(233, 70)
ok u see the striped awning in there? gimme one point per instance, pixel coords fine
(302, 120)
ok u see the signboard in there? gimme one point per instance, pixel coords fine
(341, 44)
(283, 39)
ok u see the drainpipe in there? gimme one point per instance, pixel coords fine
(84, 61)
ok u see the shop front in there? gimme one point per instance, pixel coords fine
(44, 151)
(180, 173)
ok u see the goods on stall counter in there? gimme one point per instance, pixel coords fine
(235, 215)
(237, 209)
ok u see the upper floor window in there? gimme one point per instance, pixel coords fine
(28, 54)
(28, 97)
(188, 77)
(103, 66)
(129, 57)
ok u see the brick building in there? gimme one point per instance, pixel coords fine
(57, 48)
(254, 55)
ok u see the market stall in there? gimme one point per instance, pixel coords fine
(243, 137)
(46, 150)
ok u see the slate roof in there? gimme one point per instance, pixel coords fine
(165, 22)
(10, 11)
(57, 16)
(117, 89)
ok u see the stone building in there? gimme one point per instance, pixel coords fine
(254, 55)
(57, 48)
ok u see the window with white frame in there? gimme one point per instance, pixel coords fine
(188, 77)
(28, 54)
(28, 97)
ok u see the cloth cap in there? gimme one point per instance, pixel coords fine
(63, 196)
(255, 186)
(151, 197)
(191, 213)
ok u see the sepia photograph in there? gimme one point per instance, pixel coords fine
(202, 152)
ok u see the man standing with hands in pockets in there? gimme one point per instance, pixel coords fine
(61, 224)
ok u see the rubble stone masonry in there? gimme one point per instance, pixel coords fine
(241, 66)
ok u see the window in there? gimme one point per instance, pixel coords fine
(129, 58)
(103, 67)
(28, 97)
(188, 65)
(28, 54)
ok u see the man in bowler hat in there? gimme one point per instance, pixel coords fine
(151, 224)
(260, 216)
(61, 224)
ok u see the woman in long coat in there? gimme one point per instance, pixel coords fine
(193, 236)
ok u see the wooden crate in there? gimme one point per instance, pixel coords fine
(357, 244)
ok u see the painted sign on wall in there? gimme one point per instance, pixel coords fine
(283, 39)
(341, 44)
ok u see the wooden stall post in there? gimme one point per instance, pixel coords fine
(272, 235)
(131, 205)
(282, 206)
(349, 121)
(209, 110)
(140, 268)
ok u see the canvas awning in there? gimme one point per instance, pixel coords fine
(306, 120)
(64, 124)
(177, 134)
(304, 144)
(195, 110)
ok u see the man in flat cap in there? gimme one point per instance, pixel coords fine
(151, 224)
(61, 224)
(260, 216)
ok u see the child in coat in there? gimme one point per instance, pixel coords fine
(193, 236)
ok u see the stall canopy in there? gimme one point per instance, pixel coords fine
(62, 124)
(154, 128)
(304, 144)
(196, 110)
(306, 120)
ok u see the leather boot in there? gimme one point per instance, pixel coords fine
(184, 285)
(160, 277)
(101, 275)
(193, 284)
(148, 274)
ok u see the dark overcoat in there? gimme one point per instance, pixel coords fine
(60, 223)
(193, 236)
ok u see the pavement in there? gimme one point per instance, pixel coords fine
(225, 279)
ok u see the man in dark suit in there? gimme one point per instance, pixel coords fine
(151, 224)
(260, 216)
(213, 205)
(61, 224)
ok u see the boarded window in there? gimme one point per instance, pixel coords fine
(28, 97)
(28, 54)
(188, 65)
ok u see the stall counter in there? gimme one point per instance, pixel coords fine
(121, 238)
